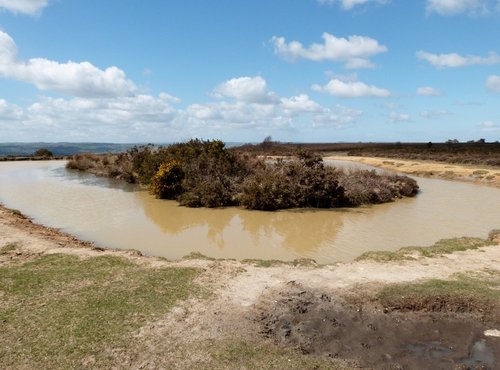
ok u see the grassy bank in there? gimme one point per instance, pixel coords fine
(444, 246)
(59, 311)
(473, 292)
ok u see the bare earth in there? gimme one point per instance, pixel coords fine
(296, 306)
(483, 175)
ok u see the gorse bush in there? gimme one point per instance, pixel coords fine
(301, 182)
(207, 174)
(167, 181)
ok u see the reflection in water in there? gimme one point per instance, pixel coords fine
(173, 219)
(302, 231)
(118, 215)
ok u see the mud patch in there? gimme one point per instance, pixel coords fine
(320, 324)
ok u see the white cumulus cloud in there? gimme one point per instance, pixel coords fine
(119, 119)
(243, 103)
(252, 106)
(428, 91)
(10, 112)
(434, 114)
(339, 117)
(454, 60)
(76, 79)
(349, 4)
(30, 7)
(396, 117)
(454, 7)
(300, 103)
(351, 89)
(248, 89)
(488, 126)
(353, 51)
(493, 83)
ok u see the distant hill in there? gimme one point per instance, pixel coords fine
(61, 149)
(66, 149)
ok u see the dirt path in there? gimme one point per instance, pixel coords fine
(483, 175)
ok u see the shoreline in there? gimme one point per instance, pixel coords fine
(482, 175)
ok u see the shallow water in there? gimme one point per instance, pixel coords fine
(117, 215)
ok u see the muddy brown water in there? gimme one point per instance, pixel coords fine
(116, 215)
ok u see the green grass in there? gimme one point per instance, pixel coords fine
(443, 246)
(58, 310)
(240, 354)
(466, 292)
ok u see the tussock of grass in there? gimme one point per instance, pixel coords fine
(58, 310)
(9, 247)
(197, 256)
(264, 263)
(443, 246)
(16, 212)
(303, 262)
(494, 234)
(465, 292)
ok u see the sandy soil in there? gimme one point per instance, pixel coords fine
(287, 305)
(483, 175)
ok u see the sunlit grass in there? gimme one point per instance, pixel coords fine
(59, 311)
(444, 246)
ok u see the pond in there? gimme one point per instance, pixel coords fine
(117, 215)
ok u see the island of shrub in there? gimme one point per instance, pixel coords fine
(207, 174)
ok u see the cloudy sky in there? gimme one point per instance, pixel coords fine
(298, 70)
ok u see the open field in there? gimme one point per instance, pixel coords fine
(88, 307)
(465, 172)
(475, 153)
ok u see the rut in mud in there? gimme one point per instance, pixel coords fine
(323, 325)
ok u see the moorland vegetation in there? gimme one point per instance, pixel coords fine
(474, 152)
(207, 174)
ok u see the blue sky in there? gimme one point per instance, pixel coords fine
(297, 70)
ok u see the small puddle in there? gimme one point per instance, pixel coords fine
(429, 350)
(481, 355)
